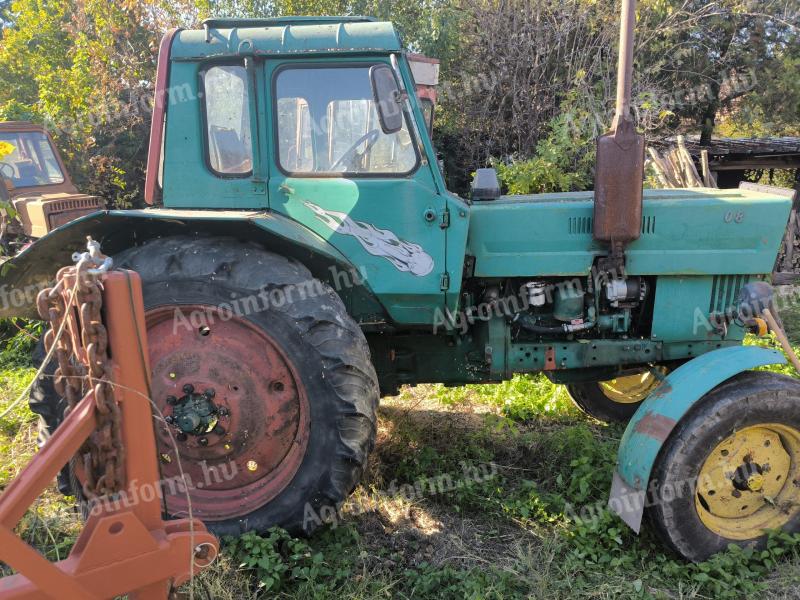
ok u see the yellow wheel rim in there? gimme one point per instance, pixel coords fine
(750, 481)
(633, 388)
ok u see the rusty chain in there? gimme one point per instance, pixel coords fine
(83, 365)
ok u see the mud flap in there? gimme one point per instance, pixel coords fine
(626, 502)
(660, 413)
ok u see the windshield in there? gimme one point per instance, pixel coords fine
(31, 161)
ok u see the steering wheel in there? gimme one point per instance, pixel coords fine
(8, 173)
(370, 138)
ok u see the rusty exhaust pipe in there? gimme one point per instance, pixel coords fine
(619, 172)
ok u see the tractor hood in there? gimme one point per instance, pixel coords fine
(40, 213)
(686, 232)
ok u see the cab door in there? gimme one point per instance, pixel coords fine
(370, 194)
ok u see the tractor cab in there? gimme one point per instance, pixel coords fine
(33, 176)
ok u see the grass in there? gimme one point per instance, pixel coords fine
(52, 523)
(473, 492)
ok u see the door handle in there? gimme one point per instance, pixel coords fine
(285, 189)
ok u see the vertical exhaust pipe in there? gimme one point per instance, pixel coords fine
(619, 170)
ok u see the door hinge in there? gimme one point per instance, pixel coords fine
(445, 281)
(445, 221)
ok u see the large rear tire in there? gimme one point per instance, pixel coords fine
(291, 413)
(730, 469)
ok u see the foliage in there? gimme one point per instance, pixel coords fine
(521, 398)
(522, 81)
(707, 58)
(17, 340)
(5, 149)
(82, 69)
(447, 583)
(562, 163)
(276, 559)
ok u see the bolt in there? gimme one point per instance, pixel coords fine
(188, 388)
(223, 412)
(210, 393)
(736, 494)
(170, 420)
(172, 400)
(203, 441)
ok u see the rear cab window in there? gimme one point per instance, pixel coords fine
(229, 148)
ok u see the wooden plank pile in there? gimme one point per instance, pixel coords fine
(675, 168)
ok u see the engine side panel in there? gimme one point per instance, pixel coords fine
(686, 232)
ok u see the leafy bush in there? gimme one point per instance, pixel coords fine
(276, 558)
(562, 163)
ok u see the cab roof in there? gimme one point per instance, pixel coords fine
(20, 126)
(286, 36)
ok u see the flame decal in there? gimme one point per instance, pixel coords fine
(405, 256)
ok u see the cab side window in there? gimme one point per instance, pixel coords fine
(328, 124)
(227, 112)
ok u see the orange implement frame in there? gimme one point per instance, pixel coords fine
(125, 547)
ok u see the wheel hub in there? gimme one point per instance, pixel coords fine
(196, 414)
(236, 414)
(749, 482)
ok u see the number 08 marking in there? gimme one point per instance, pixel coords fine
(734, 216)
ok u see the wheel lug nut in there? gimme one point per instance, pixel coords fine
(172, 400)
(223, 412)
(736, 494)
(210, 393)
(188, 388)
(203, 441)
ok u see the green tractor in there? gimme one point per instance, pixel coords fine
(302, 257)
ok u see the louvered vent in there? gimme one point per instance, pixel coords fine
(580, 225)
(724, 291)
(648, 224)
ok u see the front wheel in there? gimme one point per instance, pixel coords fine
(616, 400)
(730, 470)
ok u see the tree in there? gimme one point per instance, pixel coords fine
(716, 53)
(83, 69)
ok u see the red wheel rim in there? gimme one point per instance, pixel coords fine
(259, 444)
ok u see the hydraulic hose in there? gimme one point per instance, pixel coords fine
(528, 322)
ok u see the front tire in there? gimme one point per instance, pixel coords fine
(616, 400)
(730, 469)
(290, 414)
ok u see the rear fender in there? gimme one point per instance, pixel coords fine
(662, 411)
(34, 268)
